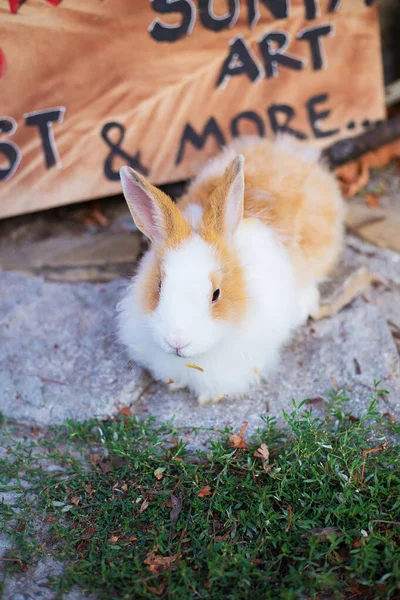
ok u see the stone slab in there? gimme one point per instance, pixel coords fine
(354, 347)
(86, 257)
(59, 359)
(347, 281)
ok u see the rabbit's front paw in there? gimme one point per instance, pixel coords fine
(209, 399)
(173, 386)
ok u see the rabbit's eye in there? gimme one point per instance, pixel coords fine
(215, 295)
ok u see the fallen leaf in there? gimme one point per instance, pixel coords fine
(89, 533)
(357, 543)
(75, 500)
(321, 532)
(169, 381)
(100, 217)
(159, 590)
(98, 460)
(335, 384)
(157, 563)
(222, 538)
(316, 400)
(355, 175)
(176, 507)
(133, 538)
(237, 441)
(262, 452)
(89, 490)
(91, 217)
(159, 473)
(205, 491)
(126, 411)
(113, 539)
(371, 200)
(290, 516)
(191, 366)
(144, 505)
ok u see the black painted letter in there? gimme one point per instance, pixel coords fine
(288, 114)
(171, 33)
(278, 8)
(315, 116)
(211, 21)
(247, 115)
(199, 140)
(312, 35)
(312, 9)
(43, 119)
(334, 5)
(275, 57)
(9, 149)
(116, 150)
(238, 61)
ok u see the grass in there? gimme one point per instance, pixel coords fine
(308, 511)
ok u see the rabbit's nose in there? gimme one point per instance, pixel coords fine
(177, 343)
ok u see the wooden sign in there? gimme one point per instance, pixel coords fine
(89, 85)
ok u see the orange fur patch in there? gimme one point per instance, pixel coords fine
(232, 302)
(298, 199)
(174, 230)
(149, 279)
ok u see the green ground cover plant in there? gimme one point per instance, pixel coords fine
(310, 510)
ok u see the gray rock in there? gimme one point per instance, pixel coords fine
(383, 264)
(59, 358)
(354, 347)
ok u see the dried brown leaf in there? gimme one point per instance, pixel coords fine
(323, 532)
(89, 533)
(75, 500)
(371, 200)
(113, 539)
(262, 452)
(316, 400)
(355, 175)
(126, 411)
(159, 590)
(144, 505)
(237, 441)
(176, 504)
(133, 538)
(98, 460)
(159, 473)
(157, 563)
(205, 491)
(89, 490)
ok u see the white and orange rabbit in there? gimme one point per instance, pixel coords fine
(233, 268)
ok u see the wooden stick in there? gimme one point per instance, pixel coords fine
(352, 148)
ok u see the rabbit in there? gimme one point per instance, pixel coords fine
(233, 267)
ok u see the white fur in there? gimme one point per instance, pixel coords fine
(193, 214)
(231, 355)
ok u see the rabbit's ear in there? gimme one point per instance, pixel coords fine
(154, 212)
(227, 200)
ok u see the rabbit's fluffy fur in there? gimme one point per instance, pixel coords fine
(234, 269)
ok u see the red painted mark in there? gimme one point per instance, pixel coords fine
(15, 4)
(3, 63)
